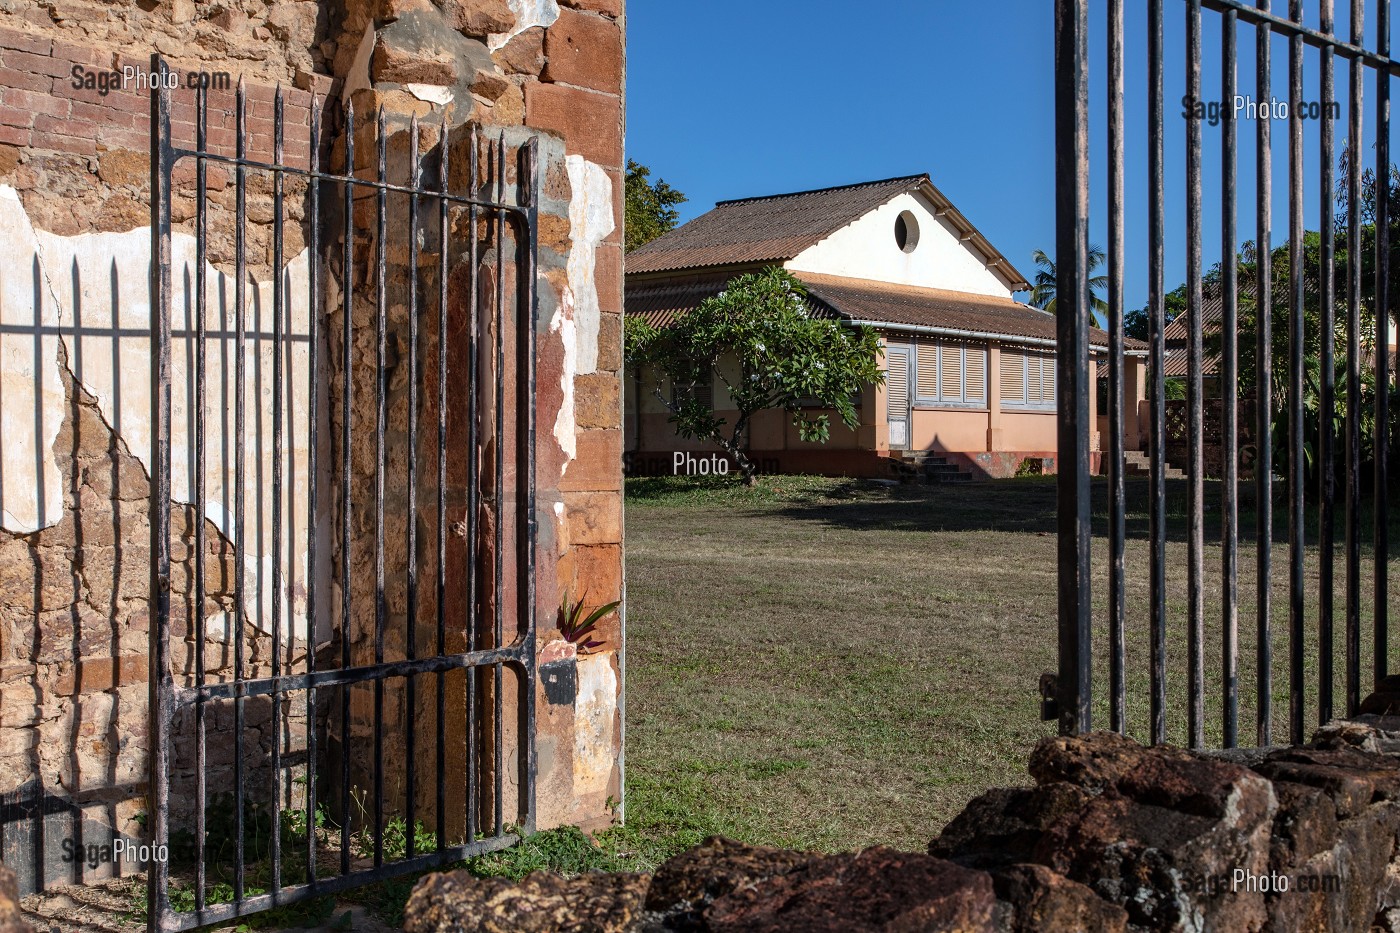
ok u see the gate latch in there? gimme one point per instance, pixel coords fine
(1049, 697)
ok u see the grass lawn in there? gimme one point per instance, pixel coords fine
(830, 664)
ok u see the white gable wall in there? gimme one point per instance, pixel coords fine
(866, 249)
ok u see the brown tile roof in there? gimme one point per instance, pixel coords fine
(1178, 362)
(864, 300)
(882, 303)
(661, 303)
(775, 228)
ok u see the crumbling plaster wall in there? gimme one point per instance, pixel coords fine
(75, 243)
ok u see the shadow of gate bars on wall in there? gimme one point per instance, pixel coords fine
(338, 644)
(1283, 408)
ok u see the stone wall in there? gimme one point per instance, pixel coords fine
(1111, 836)
(74, 315)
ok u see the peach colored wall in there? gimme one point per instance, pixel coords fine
(1029, 430)
(948, 429)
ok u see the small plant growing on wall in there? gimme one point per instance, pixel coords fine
(577, 628)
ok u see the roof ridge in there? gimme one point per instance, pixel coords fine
(859, 184)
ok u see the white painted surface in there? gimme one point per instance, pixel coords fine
(866, 249)
(590, 221)
(528, 14)
(31, 388)
(595, 712)
(578, 316)
(93, 288)
(431, 93)
(562, 325)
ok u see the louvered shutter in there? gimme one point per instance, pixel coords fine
(705, 388)
(975, 374)
(1047, 370)
(950, 372)
(1033, 379)
(1013, 376)
(927, 386)
(897, 383)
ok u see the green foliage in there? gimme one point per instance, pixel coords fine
(577, 628)
(786, 359)
(1045, 285)
(650, 209)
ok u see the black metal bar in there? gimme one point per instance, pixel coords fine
(1072, 362)
(1157, 479)
(240, 601)
(1317, 38)
(443, 239)
(1327, 389)
(1353, 413)
(510, 210)
(1117, 522)
(1380, 527)
(1296, 470)
(411, 634)
(1229, 447)
(381, 328)
(1263, 367)
(497, 742)
(508, 654)
(292, 894)
(526, 460)
(278, 580)
(1195, 543)
(347, 392)
(200, 545)
(313, 389)
(473, 481)
(161, 690)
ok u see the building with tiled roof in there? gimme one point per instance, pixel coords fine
(969, 370)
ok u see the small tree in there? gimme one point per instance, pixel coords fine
(649, 209)
(784, 357)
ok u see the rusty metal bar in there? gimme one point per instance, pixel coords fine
(1072, 363)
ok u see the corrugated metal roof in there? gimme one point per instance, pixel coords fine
(775, 228)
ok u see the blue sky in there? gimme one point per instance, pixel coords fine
(735, 98)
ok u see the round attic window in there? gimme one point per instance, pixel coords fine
(906, 231)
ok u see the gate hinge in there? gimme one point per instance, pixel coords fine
(1049, 696)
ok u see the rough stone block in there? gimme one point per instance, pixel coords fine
(593, 517)
(586, 50)
(597, 464)
(596, 400)
(589, 121)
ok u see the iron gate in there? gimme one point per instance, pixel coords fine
(1282, 414)
(286, 684)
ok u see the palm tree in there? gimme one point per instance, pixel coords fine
(1043, 293)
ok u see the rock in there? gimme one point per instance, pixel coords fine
(1157, 775)
(1005, 825)
(523, 54)
(478, 17)
(542, 902)
(1165, 831)
(1036, 899)
(1350, 777)
(1385, 699)
(11, 920)
(410, 66)
(688, 883)
(878, 889)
